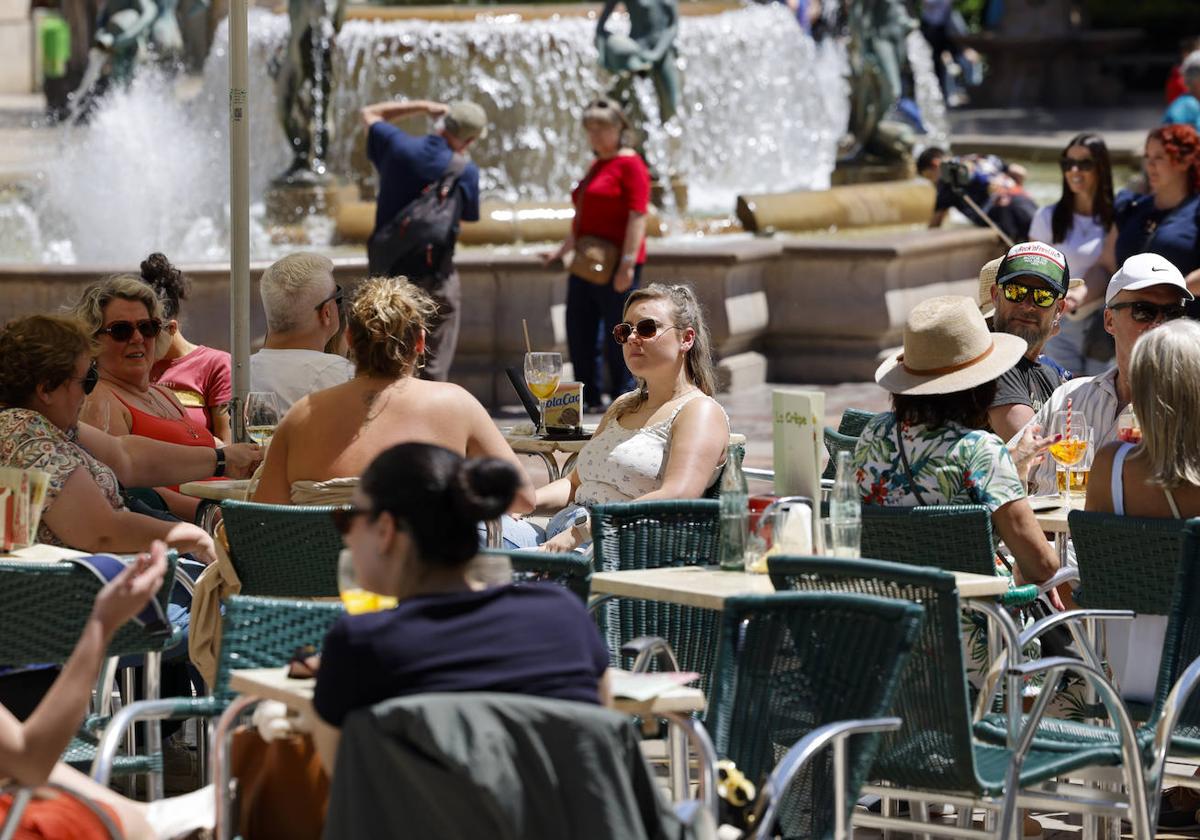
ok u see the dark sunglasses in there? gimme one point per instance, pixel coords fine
(1015, 293)
(343, 517)
(1145, 312)
(336, 296)
(123, 330)
(89, 379)
(1082, 164)
(646, 328)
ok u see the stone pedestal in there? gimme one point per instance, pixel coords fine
(16, 45)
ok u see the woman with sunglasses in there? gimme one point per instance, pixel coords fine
(125, 318)
(664, 440)
(610, 204)
(199, 376)
(1076, 225)
(412, 531)
(1165, 221)
(328, 438)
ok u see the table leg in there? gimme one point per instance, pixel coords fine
(1060, 546)
(551, 465)
(208, 515)
(677, 750)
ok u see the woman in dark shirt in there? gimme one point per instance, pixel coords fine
(412, 532)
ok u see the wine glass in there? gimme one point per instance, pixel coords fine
(1074, 436)
(1129, 429)
(542, 372)
(355, 599)
(261, 415)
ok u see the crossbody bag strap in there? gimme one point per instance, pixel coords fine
(912, 482)
(453, 171)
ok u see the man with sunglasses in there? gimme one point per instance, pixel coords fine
(1029, 297)
(1148, 290)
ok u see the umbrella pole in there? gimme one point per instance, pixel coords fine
(239, 215)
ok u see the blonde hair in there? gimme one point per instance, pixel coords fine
(386, 318)
(1164, 373)
(39, 350)
(289, 289)
(685, 312)
(89, 309)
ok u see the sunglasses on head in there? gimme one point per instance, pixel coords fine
(646, 328)
(123, 330)
(1015, 293)
(1145, 312)
(1082, 164)
(336, 296)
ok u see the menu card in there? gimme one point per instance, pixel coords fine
(22, 495)
(798, 441)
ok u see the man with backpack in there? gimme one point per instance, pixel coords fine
(427, 185)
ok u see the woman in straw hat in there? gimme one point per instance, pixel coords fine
(931, 449)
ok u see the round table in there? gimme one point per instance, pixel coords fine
(212, 493)
(1054, 521)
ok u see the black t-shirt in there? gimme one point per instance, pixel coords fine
(1026, 383)
(534, 638)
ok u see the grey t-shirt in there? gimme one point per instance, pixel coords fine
(293, 373)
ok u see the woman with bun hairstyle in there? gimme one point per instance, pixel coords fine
(198, 375)
(328, 438)
(412, 530)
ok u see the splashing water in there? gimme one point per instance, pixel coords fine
(761, 109)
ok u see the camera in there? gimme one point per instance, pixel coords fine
(956, 174)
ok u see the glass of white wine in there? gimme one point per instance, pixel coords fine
(542, 372)
(261, 415)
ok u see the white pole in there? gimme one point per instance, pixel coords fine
(239, 214)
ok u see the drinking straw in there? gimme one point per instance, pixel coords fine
(1068, 435)
(529, 349)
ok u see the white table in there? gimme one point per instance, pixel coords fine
(212, 493)
(1055, 521)
(707, 587)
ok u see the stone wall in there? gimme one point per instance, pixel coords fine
(783, 309)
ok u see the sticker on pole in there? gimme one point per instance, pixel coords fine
(237, 104)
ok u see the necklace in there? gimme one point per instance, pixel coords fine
(155, 402)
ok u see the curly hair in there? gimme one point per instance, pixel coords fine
(1182, 145)
(89, 309)
(386, 318)
(171, 284)
(39, 350)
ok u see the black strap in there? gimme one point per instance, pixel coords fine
(453, 171)
(912, 482)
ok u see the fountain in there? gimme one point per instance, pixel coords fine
(154, 170)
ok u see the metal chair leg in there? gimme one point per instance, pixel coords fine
(152, 676)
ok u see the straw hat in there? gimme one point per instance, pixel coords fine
(947, 348)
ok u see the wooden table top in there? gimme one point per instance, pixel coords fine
(708, 586)
(533, 443)
(1054, 520)
(216, 490)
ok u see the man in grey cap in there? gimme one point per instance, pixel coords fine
(407, 164)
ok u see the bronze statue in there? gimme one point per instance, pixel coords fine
(304, 84)
(648, 49)
(878, 53)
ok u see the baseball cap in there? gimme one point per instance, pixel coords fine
(1037, 259)
(1142, 271)
(466, 120)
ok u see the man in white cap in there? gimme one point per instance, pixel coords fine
(1146, 291)
(407, 166)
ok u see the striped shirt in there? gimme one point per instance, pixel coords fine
(1092, 397)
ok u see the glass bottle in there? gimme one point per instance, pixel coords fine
(735, 500)
(845, 511)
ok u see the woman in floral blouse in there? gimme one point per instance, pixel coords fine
(931, 449)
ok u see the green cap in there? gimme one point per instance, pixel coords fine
(1035, 259)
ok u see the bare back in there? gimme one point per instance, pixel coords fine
(1140, 497)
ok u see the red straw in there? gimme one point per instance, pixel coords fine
(1068, 435)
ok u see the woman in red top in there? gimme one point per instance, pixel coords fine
(124, 315)
(610, 203)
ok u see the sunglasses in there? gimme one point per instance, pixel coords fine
(336, 296)
(89, 379)
(123, 330)
(1015, 293)
(343, 517)
(647, 328)
(1082, 164)
(1145, 312)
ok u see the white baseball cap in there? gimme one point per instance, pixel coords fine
(1142, 271)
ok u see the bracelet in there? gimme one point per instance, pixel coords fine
(220, 469)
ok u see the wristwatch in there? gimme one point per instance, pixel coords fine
(582, 518)
(220, 469)
(628, 258)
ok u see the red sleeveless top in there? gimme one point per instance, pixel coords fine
(178, 430)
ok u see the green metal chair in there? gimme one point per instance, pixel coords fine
(845, 437)
(283, 551)
(572, 570)
(957, 538)
(934, 757)
(43, 610)
(652, 535)
(255, 633)
(799, 672)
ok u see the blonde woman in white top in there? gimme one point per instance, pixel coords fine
(664, 440)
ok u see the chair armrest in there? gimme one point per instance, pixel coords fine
(1070, 617)
(597, 601)
(799, 756)
(166, 709)
(758, 474)
(644, 647)
(1019, 596)
(1067, 574)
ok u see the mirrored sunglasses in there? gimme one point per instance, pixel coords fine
(1015, 293)
(123, 330)
(647, 328)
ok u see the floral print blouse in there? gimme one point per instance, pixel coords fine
(28, 440)
(953, 465)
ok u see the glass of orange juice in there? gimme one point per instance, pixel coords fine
(355, 599)
(542, 372)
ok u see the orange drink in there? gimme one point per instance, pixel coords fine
(1079, 480)
(542, 388)
(1069, 452)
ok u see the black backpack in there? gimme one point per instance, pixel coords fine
(419, 240)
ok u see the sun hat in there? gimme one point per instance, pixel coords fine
(947, 348)
(1142, 271)
(1035, 259)
(466, 120)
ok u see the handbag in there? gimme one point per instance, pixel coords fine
(595, 259)
(282, 789)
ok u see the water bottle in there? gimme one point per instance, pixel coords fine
(845, 511)
(735, 501)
